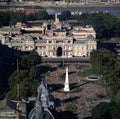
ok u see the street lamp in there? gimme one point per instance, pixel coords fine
(18, 91)
(63, 49)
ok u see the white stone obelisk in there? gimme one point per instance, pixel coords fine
(66, 85)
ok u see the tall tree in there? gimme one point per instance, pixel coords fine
(65, 15)
(27, 61)
(42, 15)
(25, 76)
(17, 17)
(103, 61)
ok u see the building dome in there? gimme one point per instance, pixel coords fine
(90, 37)
(28, 38)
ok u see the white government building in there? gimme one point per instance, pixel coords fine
(56, 39)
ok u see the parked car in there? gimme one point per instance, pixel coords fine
(92, 78)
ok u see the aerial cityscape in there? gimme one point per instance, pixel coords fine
(60, 59)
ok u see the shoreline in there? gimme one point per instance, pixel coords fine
(82, 6)
(79, 6)
(63, 6)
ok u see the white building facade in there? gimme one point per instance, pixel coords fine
(57, 41)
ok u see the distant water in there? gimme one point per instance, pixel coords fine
(112, 10)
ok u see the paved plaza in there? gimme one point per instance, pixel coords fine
(83, 94)
(85, 99)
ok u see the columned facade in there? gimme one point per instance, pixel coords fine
(57, 41)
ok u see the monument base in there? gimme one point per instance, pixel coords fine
(66, 88)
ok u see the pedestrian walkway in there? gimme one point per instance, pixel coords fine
(88, 90)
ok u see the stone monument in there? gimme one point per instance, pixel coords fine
(66, 85)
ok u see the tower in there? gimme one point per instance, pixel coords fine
(56, 18)
(66, 85)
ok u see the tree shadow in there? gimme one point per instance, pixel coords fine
(53, 69)
(90, 117)
(59, 115)
(69, 115)
(8, 57)
(44, 68)
(57, 102)
(66, 115)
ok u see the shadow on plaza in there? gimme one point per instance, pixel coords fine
(70, 99)
(66, 115)
(76, 85)
(55, 87)
(72, 72)
(73, 115)
(52, 69)
(59, 102)
(69, 115)
(88, 117)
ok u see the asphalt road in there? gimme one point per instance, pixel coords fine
(66, 60)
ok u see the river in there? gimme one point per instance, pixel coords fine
(112, 10)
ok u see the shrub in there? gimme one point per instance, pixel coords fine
(71, 107)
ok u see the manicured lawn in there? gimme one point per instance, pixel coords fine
(85, 72)
(71, 107)
(45, 74)
(82, 66)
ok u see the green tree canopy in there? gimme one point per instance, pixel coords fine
(25, 76)
(26, 61)
(31, 17)
(4, 18)
(17, 17)
(42, 15)
(65, 15)
(103, 61)
(17, 77)
(106, 111)
(105, 24)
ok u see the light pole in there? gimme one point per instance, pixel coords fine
(17, 83)
(63, 62)
(63, 49)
